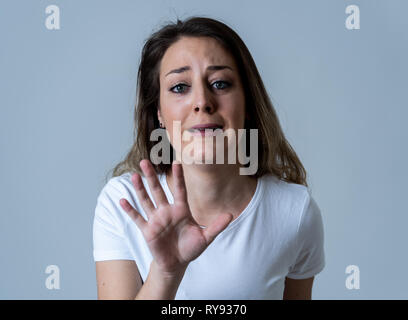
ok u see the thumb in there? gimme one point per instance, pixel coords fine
(217, 226)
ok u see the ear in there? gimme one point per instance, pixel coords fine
(159, 116)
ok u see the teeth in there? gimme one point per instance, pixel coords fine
(211, 128)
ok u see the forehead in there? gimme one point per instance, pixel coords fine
(195, 51)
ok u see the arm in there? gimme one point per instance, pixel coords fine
(310, 258)
(298, 289)
(173, 236)
(117, 279)
(120, 279)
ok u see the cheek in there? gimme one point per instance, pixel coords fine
(173, 117)
(235, 104)
(170, 105)
(234, 111)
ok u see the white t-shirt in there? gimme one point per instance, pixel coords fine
(279, 234)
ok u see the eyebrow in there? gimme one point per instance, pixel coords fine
(185, 68)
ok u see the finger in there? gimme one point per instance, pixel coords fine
(180, 192)
(215, 228)
(154, 184)
(133, 214)
(142, 194)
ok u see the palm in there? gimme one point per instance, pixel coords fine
(182, 242)
(173, 236)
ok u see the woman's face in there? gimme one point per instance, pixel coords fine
(200, 84)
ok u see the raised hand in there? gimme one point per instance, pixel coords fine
(173, 236)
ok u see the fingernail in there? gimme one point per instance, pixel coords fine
(124, 203)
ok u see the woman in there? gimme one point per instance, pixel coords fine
(205, 231)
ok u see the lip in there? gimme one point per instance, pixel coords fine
(206, 125)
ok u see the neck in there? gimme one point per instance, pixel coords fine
(215, 189)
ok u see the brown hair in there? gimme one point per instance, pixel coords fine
(275, 155)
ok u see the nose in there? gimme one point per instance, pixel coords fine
(202, 100)
(206, 108)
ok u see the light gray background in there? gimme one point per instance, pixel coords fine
(66, 119)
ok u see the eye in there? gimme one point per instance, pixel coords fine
(179, 85)
(220, 85)
(225, 84)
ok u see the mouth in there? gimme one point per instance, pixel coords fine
(206, 130)
(202, 127)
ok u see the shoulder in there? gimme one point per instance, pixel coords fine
(117, 186)
(296, 202)
(291, 196)
(108, 206)
(122, 187)
(289, 203)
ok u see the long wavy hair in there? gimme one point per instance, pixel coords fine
(275, 154)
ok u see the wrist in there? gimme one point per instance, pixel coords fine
(167, 275)
(161, 285)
